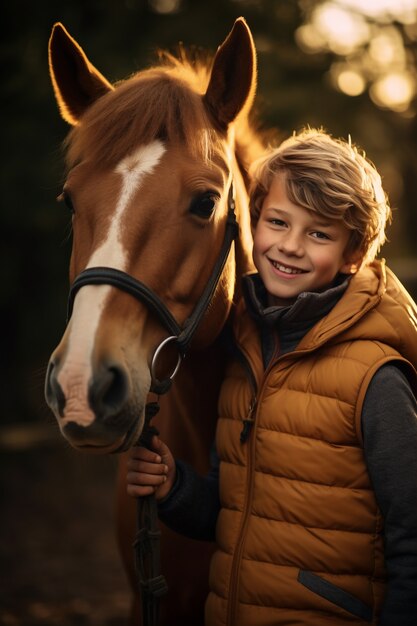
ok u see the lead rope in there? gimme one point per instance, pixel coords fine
(152, 584)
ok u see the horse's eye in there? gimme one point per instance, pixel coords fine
(66, 198)
(203, 206)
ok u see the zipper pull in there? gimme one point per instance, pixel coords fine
(247, 422)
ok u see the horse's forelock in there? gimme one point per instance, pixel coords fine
(160, 103)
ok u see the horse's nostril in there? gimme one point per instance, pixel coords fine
(53, 391)
(108, 391)
(117, 387)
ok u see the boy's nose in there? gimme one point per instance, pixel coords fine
(291, 244)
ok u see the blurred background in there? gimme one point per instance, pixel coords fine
(346, 65)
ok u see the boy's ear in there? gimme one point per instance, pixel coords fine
(353, 263)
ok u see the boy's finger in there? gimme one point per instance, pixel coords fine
(141, 453)
(147, 468)
(161, 448)
(139, 492)
(140, 479)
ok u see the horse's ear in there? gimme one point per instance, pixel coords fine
(76, 82)
(232, 83)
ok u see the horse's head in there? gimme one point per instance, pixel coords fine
(150, 165)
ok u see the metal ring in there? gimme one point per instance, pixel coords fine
(156, 354)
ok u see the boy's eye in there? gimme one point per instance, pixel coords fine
(320, 235)
(277, 222)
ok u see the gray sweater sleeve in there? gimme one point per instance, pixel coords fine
(193, 504)
(389, 425)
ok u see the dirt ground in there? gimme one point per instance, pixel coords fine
(59, 564)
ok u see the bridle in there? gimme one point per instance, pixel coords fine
(146, 544)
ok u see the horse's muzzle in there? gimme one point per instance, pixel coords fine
(100, 416)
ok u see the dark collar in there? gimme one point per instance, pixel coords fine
(309, 307)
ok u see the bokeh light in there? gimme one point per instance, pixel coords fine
(350, 82)
(393, 91)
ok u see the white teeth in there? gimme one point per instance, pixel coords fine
(286, 270)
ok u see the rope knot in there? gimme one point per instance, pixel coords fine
(155, 587)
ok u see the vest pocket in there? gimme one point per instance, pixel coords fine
(335, 594)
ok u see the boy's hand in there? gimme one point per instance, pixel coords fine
(151, 471)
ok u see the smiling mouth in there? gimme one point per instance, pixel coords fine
(286, 269)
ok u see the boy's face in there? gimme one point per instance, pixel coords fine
(296, 250)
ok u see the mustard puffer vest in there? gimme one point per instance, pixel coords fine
(300, 535)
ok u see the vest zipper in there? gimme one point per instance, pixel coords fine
(249, 419)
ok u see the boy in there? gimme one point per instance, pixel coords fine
(313, 493)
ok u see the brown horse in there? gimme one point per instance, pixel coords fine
(151, 162)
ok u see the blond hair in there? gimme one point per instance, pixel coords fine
(331, 177)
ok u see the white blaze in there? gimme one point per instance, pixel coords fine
(89, 303)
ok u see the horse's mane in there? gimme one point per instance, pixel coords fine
(162, 102)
